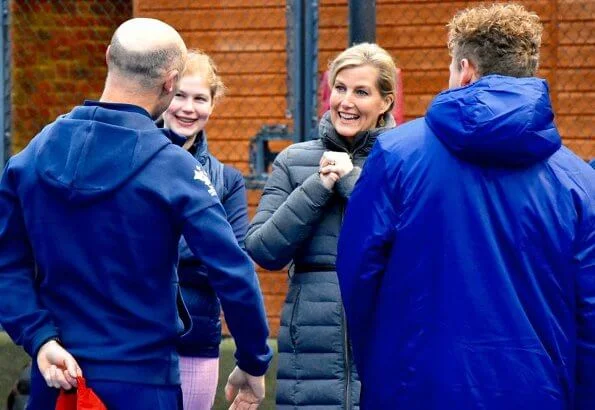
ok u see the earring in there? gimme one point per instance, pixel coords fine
(381, 122)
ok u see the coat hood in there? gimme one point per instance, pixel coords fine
(498, 120)
(97, 147)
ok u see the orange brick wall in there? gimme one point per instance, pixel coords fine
(247, 40)
(414, 32)
(58, 58)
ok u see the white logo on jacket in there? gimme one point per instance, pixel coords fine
(202, 176)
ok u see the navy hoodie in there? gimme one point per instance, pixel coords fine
(91, 212)
(467, 258)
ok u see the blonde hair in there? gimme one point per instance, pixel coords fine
(498, 39)
(368, 54)
(199, 63)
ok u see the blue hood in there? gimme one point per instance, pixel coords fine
(501, 121)
(96, 148)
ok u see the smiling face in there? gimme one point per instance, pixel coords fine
(191, 107)
(356, 102)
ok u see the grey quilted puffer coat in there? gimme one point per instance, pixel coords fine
(298, 221)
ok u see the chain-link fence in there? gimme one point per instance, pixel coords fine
(414, 32)
(259, 47)
(5, 74)
(56, 57)
(248, 42)
(57, 60)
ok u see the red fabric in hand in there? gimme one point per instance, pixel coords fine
(82, 399)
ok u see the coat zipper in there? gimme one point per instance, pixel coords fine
(292, 326)
(351, 156)
(347, 359)
(346, 355)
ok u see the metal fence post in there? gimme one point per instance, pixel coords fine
(362, 21)
(310, 71)
(302, 60)
(296, 60)
(5, 86)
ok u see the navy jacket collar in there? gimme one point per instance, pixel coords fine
(117, 106)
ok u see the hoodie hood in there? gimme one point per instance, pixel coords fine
(498, 120)
(96, 148)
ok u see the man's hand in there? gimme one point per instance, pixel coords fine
(248, 390)
(57, 366)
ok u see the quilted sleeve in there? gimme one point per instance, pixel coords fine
(285, 216)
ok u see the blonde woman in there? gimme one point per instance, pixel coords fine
(299, 218)
(199, 89)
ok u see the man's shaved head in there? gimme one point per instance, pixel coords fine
(144, 50)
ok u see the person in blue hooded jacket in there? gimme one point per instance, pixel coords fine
(466, 261)
(199, 89)
(91, 213)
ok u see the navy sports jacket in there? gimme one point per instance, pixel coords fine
(467, 258)
(91, 212)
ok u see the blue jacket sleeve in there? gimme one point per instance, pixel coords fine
(21, 313)
(236, 208)
(236, 204)
(230, 271)
(232, 275)
(585, 288)
(363, 249)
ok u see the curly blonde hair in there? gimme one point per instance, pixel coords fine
(199, 63)
(498, 39)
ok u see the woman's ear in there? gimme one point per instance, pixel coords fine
(388, 100)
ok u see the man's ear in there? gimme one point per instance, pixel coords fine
(171, 81)
(468, 72)
(107, 55)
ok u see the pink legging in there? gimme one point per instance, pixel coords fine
(199, 381)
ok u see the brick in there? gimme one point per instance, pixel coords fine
(54, 59)
(248, 44)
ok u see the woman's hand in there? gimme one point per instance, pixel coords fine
(328, 178)
(334, 166)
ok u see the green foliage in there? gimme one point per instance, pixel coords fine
(12, 360)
